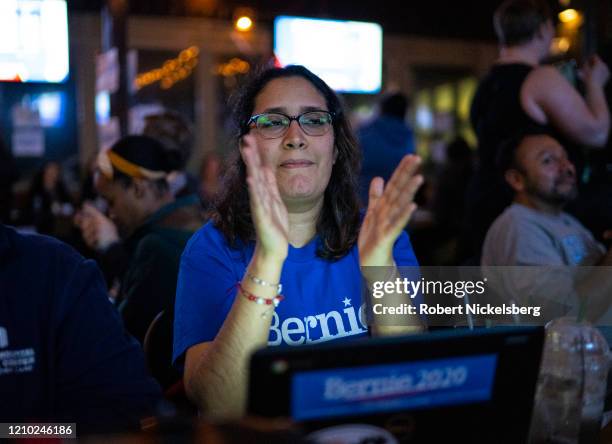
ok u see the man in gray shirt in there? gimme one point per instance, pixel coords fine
(534, 231)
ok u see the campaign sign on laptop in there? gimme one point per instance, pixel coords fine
(370, 389)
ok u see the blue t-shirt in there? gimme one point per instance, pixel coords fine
(323, 298)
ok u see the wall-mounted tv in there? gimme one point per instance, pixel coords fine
(346, 54)
(33, 41)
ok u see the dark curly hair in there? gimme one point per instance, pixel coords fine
(338, 223)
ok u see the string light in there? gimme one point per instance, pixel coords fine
(233, 67)
(171, 72)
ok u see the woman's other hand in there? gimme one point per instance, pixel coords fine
(389, 210)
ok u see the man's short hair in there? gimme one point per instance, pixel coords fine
(506, 154)
(517, 21)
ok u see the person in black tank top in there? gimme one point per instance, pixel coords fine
(521, 95)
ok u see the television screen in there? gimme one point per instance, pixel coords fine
(346, 54)
(33, 41)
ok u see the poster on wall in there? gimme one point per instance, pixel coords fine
(108, 133)
(28, 139)
(28, 142)
(107, 71)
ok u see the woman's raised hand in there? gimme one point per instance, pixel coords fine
(268, 211)
(388, 213)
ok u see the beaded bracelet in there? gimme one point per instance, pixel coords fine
(255, 279)
(259, 300)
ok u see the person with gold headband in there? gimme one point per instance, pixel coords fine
(154, 226)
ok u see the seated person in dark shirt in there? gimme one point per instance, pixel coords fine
(175, 133)
(64, 356)
(154, 225)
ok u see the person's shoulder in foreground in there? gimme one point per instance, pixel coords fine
(65, 354)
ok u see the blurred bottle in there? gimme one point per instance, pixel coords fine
(596, 353)
(572, 383)
(569, 70)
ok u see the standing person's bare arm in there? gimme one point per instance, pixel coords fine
(216, 372)
(548, 98)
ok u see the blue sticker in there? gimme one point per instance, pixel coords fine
(392, 387)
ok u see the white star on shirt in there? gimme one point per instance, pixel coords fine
(346, 302)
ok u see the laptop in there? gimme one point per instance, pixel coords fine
(461, 385)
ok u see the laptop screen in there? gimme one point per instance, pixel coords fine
(392, 387)
(446, 386)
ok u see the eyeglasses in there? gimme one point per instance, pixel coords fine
(275, 125)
